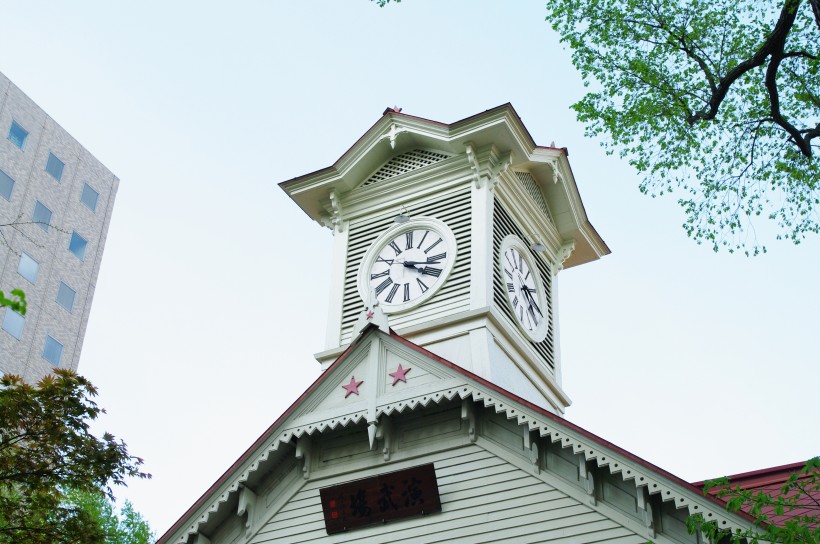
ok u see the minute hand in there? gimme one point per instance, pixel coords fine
(532, 302)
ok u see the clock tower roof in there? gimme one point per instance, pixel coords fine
(500, 128)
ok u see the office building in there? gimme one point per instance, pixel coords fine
(55, 207)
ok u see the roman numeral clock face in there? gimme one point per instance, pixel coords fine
(407, 264)
(524, 288)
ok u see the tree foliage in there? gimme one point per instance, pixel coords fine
(46, 447)
(16, 302)
(124, 527)
(718, 99)
(797, 498)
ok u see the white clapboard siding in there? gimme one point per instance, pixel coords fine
(485, 499)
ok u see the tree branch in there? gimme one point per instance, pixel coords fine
(775, 41)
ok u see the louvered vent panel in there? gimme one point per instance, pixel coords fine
(503, 226)
(454, 210)
(412, 160)
(531, 188)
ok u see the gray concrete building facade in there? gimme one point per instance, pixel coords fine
(55, 208)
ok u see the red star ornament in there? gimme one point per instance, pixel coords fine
(352, 387)
(400, 375)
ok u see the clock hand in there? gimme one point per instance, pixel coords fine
(531, 299)
(412, 264)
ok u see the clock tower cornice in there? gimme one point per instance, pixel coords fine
(487, 146)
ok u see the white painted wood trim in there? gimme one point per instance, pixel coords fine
(337, 285)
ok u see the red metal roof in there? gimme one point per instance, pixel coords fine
(771, 481)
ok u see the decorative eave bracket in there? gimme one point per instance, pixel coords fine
(562, 255)
(334, 220)
(557, 175)
(496, 167)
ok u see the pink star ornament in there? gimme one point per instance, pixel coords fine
(352, 387)
(400, 375)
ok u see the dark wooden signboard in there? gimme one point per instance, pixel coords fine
(381, 498)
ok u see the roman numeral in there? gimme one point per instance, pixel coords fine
(395, 247)
(521, 314)
(507, 256)
(430, 271)
(520, 260)
(436, 258)
(422, 239)
(510, 287)
(388, 261)
(379, 275)
(392, 293)
(528, 275)
(406, 292)
(509, 274)
(434, 244)
(383, 285)
(422, 285)
(409, 236)
(515, 301)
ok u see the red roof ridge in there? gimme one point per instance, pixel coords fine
(762, 476)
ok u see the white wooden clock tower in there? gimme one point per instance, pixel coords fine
(459, 232)
(446, 428)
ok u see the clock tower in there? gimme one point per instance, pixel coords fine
(457, 232)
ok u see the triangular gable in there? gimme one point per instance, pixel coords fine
(425, 380)
(360, 385)
(403, 163)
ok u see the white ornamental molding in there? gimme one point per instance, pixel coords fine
(498, 169)
(557, 175)
(645, 479)
(562, 255)
(475, 167)
(334, 221)
(392, 134)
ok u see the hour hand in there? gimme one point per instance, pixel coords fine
(413, 264)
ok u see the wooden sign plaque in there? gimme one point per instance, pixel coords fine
(381, 498)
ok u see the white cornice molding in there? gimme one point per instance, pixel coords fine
(460, 386)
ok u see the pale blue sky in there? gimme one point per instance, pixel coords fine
(703, 364)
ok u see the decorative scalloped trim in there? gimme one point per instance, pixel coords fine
(641, 476)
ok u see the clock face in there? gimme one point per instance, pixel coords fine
(407, 264)
(524, 289)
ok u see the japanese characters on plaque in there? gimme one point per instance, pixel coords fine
(381, 498)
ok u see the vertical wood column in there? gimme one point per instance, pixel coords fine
(481, 254)
(337, 286)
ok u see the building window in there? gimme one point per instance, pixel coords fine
(89, 197)
(18, 135)
(65, 296)
(41, 216)
(6, 185)
(28, 268)
(13, 323)
(52, 351)
(77, 245)
(54, 166)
